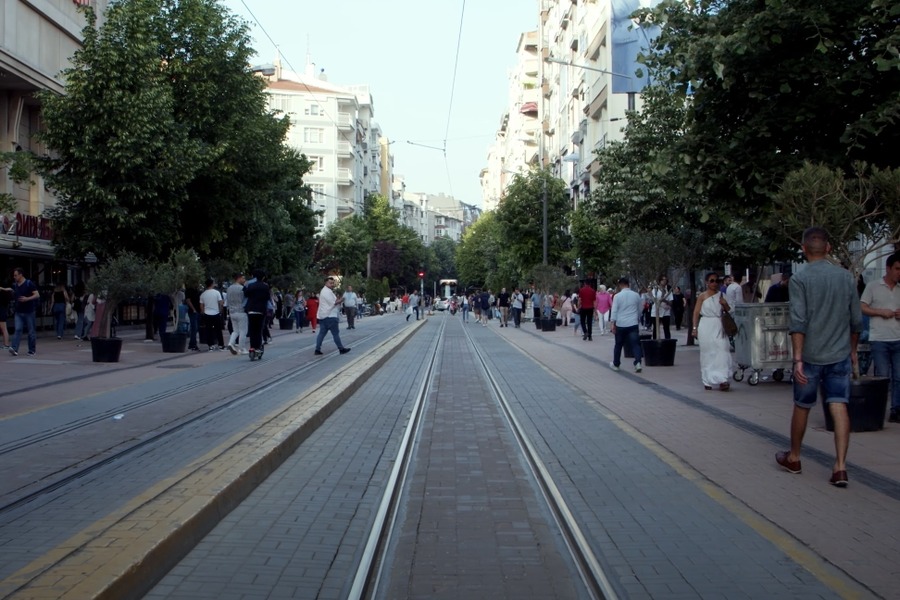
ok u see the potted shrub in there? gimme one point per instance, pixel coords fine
(183, 269)
(549, 279)
(124, 276)
(862, 216)
(645, 256)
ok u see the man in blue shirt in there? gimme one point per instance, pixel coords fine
(624, 323)
(26, 298)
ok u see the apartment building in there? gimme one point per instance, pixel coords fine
(37, 40)
(585, 54)
(434, 216)
(334, 127)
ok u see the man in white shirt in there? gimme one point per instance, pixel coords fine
(329, 308)
(350, 304)
(662, 305)
(624, 323)
(211, 304)
(734, 292)
(881, 302)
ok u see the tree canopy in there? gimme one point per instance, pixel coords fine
(163, 139)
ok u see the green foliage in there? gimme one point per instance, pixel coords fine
(445, 258)
(547, 278)
(645, 255)
(595, 243)
(163, 139)
(521, 216)
(124, 276)
(183, 269)
(860, 213)
(344, 247)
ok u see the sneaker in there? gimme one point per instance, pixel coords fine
(344, 350)
(77, 337)
(637, 367)
(613, 366)
(318, 353)
(31, 353)
(791, 466)
(59, 337)
(232, 349)
(839, 479)
(13, 352)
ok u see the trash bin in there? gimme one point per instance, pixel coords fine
(868, 403)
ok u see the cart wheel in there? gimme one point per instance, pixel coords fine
(754, 378)
(778, 375)
(738, 375)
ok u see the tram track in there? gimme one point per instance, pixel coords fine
(166, 431)
(373, 563)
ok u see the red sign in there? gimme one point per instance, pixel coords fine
(28, 226)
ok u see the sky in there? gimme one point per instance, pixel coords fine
(405, 51)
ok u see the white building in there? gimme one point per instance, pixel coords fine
(584, 54)
(334, 127)
(433, 216)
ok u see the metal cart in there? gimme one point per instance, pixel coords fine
(762, 341)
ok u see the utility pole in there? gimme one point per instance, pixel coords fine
(545, 218)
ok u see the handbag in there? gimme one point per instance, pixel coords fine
(728, 324)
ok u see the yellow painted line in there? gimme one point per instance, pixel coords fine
(844, 585)
(812, 562)
(126, 552)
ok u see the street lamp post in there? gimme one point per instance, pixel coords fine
(545, 218)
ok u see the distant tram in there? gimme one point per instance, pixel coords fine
(447, 287)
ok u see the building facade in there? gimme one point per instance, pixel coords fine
(37, 40)
(334, 126)
(569, 93)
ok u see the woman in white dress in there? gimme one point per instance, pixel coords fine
(715, 350)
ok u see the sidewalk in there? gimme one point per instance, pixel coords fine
(726, 441)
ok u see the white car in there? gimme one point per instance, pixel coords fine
(442, 304)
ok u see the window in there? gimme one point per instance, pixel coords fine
(318, 163)
(318, 190)
(281, 102)
(313, 135)
(312, 110)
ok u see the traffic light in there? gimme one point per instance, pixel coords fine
(421, 274)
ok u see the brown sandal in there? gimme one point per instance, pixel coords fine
(724, 387)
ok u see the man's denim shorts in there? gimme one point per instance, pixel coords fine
(834, 380)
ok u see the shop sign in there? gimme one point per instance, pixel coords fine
(27, 226)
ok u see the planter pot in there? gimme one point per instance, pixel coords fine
(286, 324)
(106, 350)
(659, 353)
(548, 324)
(174, 342)
(626, 349)
(559, 322)
(537, 323)
(868, 402)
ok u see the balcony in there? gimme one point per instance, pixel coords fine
(345, 121)
(531, 66)
(599, 96)
(344, 149)
(344, 177)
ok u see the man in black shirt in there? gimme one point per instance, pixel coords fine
(503, 305)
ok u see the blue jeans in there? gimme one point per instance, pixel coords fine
(329, 324)
(59, 318)
(23, 321)
(632, 337)
(886, 356)
(834, 380)
(194, 320)
(299, 316)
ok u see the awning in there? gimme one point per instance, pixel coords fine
(529, 107)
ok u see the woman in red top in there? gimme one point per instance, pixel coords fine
(312, 309)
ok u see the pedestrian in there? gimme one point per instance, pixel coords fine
(715, 349)
(350, 306)
(602, 304)
(565, 308)
(576, 316)
(58, 310)
(485, 304)
(518, 302)
(780, 290)
(5, 299)
(536, 305)
(881, 302)
(624, 323)
(211, 305)
(26, 298)
(192, 300)
(312, 311)
(256, 295)
(234, 300)
(587, 296)
(299, 309)
(678, 304)
(661, 307)
(78, 308)
(412, 306)
(465, 308)
(90, 315)
(329, 309)
(162, 308)
(826, 320)
(503, 304)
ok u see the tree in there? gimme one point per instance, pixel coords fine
(121, 160)
(771, 84)
(477, 255)
(344, 247)
(445, 257)
(521, 215)
(164, 138)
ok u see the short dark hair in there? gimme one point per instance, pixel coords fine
(259, 274)
(624, 281)
(892, 259)
(815, 233)
(210, 282)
